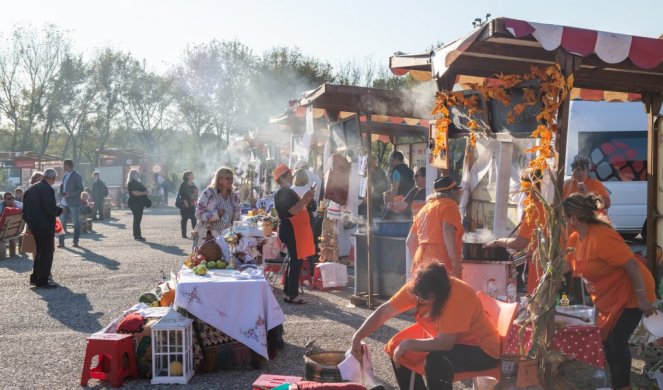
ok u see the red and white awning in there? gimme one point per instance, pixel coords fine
(611, 48)
(627, 65)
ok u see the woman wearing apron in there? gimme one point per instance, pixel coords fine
(294, 229)
(452, 333)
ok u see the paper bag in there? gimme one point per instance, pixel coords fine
(27, 243)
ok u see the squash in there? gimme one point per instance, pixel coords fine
(167, 298)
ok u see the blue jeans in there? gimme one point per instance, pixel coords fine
(75, 219)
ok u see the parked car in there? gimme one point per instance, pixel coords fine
(614, 137)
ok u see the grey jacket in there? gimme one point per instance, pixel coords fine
(73, 190)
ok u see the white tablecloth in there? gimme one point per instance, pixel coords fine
(243, 309)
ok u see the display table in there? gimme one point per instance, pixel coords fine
(243, 309)
(580, 342)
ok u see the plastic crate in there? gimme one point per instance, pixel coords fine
(269, 381)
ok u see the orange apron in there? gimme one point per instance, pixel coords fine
(422, 329)
(301, 225)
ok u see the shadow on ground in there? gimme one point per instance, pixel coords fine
(19, 264)
(70, 309)
(90, 256)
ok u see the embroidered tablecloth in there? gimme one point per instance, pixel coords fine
(243, 309)
(580, 342)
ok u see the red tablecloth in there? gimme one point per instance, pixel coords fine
(580, 342)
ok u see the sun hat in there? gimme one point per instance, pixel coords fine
(280, 170)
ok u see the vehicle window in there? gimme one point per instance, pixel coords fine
(616, 156)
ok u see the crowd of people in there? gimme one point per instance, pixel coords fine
(452, 332)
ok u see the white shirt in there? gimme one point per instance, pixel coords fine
(65, 179)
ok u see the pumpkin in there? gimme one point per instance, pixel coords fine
(167, 298)
(175, 368)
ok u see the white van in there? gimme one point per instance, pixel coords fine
(614, 137)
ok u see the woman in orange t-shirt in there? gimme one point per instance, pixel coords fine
(581, 182)
(437, 231)
(526, 231)
(452, 333)
(621, 287)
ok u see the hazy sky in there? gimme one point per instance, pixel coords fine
(336, 31)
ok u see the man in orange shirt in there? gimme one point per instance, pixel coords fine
(582, 183)
(621, 287)
(452, 333)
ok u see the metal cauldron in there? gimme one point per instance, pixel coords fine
(323, 366)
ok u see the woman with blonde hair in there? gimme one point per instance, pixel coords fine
(621, 287)
(138, 200)
(218, 206)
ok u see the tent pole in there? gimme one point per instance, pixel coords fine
(369, 213)
(653, 107)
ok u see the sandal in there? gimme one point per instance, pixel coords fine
(293, 301)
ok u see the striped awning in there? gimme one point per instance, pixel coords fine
(613, 67)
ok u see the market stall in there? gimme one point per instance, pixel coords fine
(353, 116)
(20, 165)
(570, 63)
(114, 166)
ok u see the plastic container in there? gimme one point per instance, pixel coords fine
(491, 288)
(575, 310)
(511, 291)
(654, 323)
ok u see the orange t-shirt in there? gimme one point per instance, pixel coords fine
(462, 314)
(526, 231)
(428, 227)
(599, 259)
(593, 185)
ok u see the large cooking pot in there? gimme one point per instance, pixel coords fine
(323, 366)
(476, 251)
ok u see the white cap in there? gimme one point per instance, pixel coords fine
(300, 164)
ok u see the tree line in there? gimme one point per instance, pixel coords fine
(57, 101)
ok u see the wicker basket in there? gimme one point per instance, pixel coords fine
(210, 250)
(323, 366)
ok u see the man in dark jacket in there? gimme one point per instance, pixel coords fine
(40, 211)
(70, 201)
(99, 194)
(401, 178)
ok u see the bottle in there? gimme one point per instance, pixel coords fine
(564, 301)
(491, 288)
(511, 291)
(600, 379)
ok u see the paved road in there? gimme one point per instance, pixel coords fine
(42, 332)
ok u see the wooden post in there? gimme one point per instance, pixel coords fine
(369, 213)
(654, 195)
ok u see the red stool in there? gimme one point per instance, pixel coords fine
(269, 381)
(111, 349)
(305, 273)
(317, 279)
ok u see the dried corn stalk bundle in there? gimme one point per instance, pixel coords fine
(328, 241)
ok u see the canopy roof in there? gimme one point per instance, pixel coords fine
(36, 156)
(125, 153)
(610, 61)
(393, 113)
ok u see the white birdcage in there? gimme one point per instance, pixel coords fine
(172, 352)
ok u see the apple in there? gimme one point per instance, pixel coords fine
(199, 259)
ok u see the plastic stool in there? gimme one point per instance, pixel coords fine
(317, 279)
(269, 381)
(110, 348)
(305, 273)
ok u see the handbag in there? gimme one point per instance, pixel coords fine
(179, 202)
(147, 202)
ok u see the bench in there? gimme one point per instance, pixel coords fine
(11, 231)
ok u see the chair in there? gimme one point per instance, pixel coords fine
(11, 231)
(501, 315)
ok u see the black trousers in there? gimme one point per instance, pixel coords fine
(187, 215)
(617, 352)
(291, 286)
(138, 217)
(440, 367)
(98, 207)
(45, 245)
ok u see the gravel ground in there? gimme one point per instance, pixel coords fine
(42, 332)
